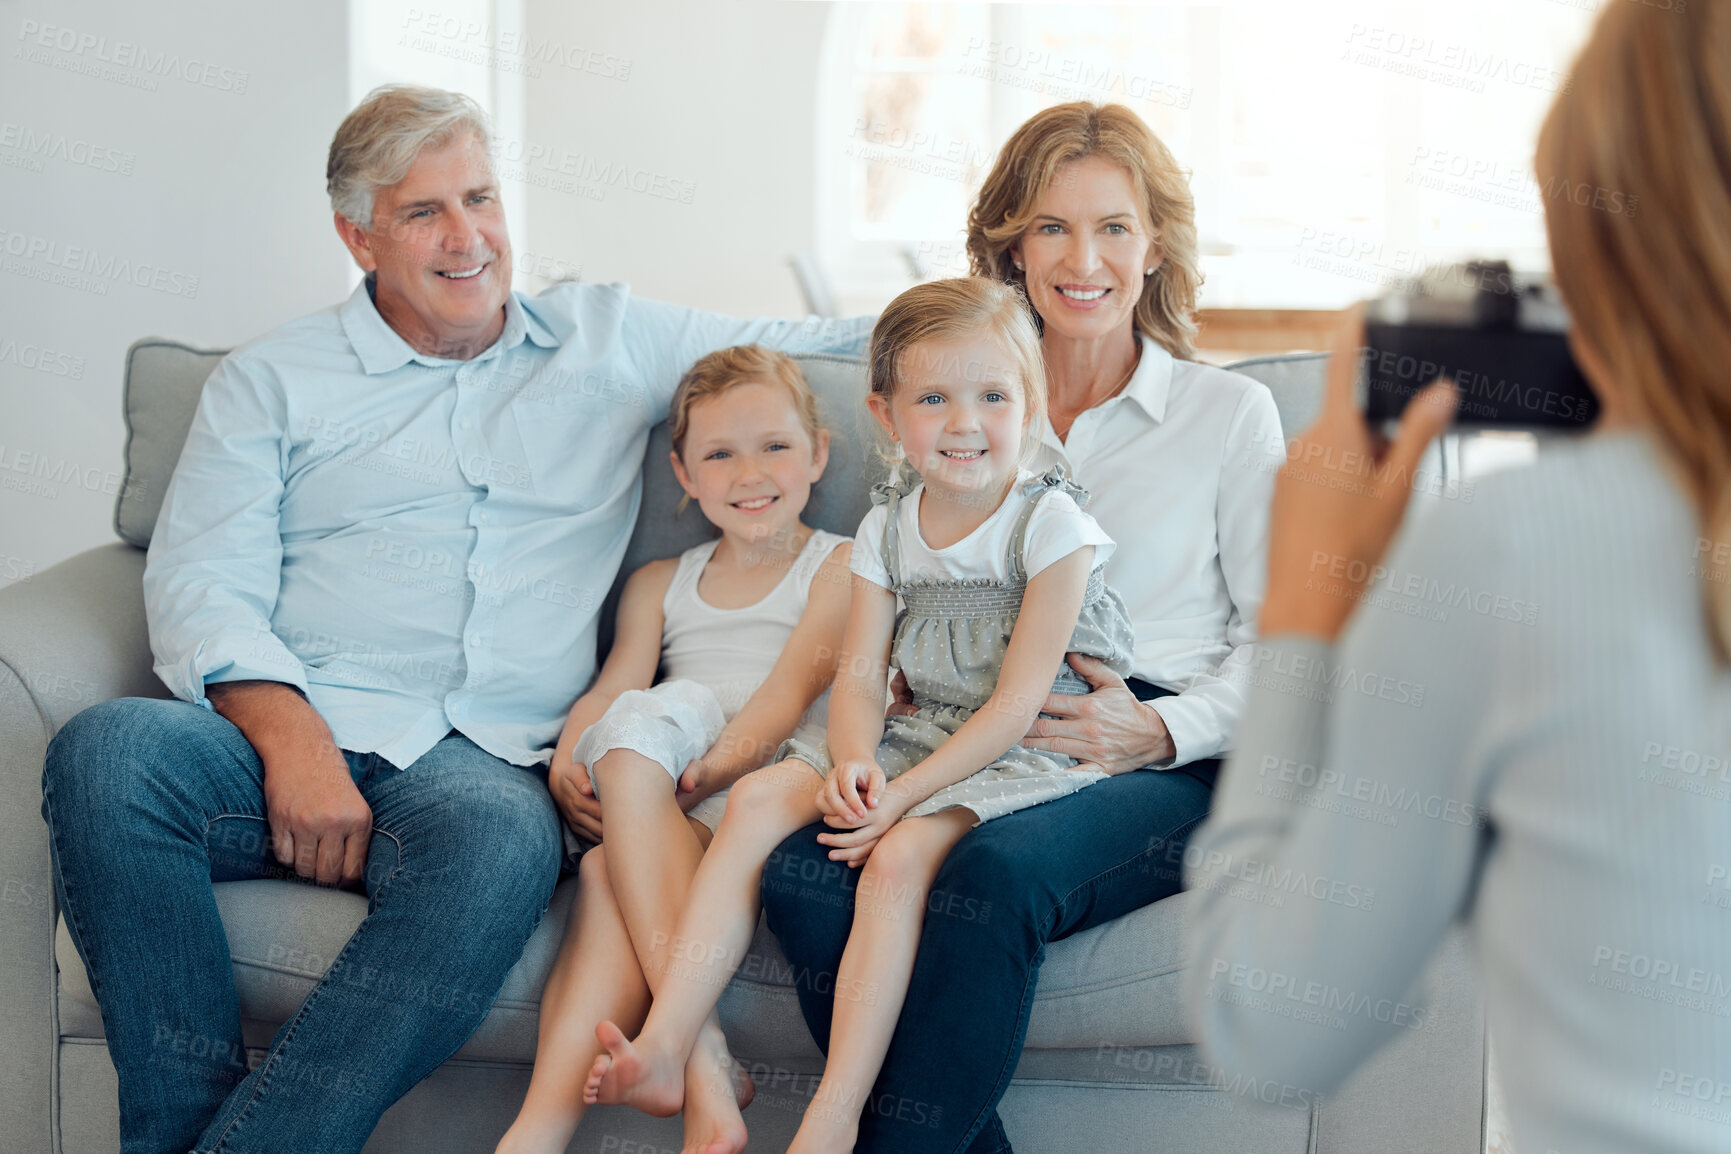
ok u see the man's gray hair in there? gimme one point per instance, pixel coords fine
(378, 142)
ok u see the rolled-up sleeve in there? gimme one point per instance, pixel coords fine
(1203, 717)
(215, 563)
(663, 339)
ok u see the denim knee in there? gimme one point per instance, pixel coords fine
(990, 880)
(799, 871)
(102, 752)
(807, 898)
(502, 847)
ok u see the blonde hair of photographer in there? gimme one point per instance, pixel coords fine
(1649, 114)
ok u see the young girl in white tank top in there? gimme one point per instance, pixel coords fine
(712, 661)
(744, 632)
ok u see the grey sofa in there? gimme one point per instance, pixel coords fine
(1109, 1065)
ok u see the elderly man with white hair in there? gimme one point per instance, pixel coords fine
(373, 591)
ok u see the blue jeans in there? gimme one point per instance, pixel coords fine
(148, 802)
(1008, 888)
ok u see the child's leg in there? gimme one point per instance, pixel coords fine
(626, 912)
(872, 980)
(596, 976)
(712, 938)
(642, 818)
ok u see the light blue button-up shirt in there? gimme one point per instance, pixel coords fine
(422, 544)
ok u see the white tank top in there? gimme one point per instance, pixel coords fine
(733, 650)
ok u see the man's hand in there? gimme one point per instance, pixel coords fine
(574, 795)
(1106, 729)
(319, 822)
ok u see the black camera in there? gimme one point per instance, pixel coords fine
(1503, 342)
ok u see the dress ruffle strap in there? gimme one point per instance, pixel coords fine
(890, 493)
(1057, 477)
(900, 484)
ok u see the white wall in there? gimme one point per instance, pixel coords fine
(714, 111)
(219, 178)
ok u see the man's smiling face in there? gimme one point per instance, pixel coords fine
(439, 251)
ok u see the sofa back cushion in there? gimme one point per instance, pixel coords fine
(160, 394)
(1297, 380)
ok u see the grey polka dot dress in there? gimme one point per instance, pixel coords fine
(950, 640)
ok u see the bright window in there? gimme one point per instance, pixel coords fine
(1331, 153)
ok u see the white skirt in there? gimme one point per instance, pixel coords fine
(672, 723)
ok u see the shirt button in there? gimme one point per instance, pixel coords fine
(465, 423)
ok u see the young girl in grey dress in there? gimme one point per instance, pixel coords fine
(999, 574)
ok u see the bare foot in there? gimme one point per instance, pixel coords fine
(717, 1088)
(641, 1075)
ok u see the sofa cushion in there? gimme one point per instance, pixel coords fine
(1116, 985)
(160, 394)
(1297, 381)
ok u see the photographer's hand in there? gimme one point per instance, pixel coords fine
(1341, 496)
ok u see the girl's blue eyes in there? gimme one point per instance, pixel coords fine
(723, 454)
(938, 398)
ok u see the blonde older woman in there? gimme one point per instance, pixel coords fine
(1091, 215)
(1570, 805)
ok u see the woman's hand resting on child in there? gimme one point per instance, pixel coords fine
(857, 804)
(1106, 730)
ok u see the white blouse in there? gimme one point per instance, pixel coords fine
(1181, 467)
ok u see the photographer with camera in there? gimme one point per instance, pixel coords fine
(1561, 779)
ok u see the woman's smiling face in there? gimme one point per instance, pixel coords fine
(1086, 253)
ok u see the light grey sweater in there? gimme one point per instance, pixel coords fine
(1522, 726)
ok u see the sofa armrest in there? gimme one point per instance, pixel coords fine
(70, 636)
(1424, 1091)
(74, 635)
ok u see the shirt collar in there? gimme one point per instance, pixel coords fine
(382, 349)
(1149, 387)
(1151, 384)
